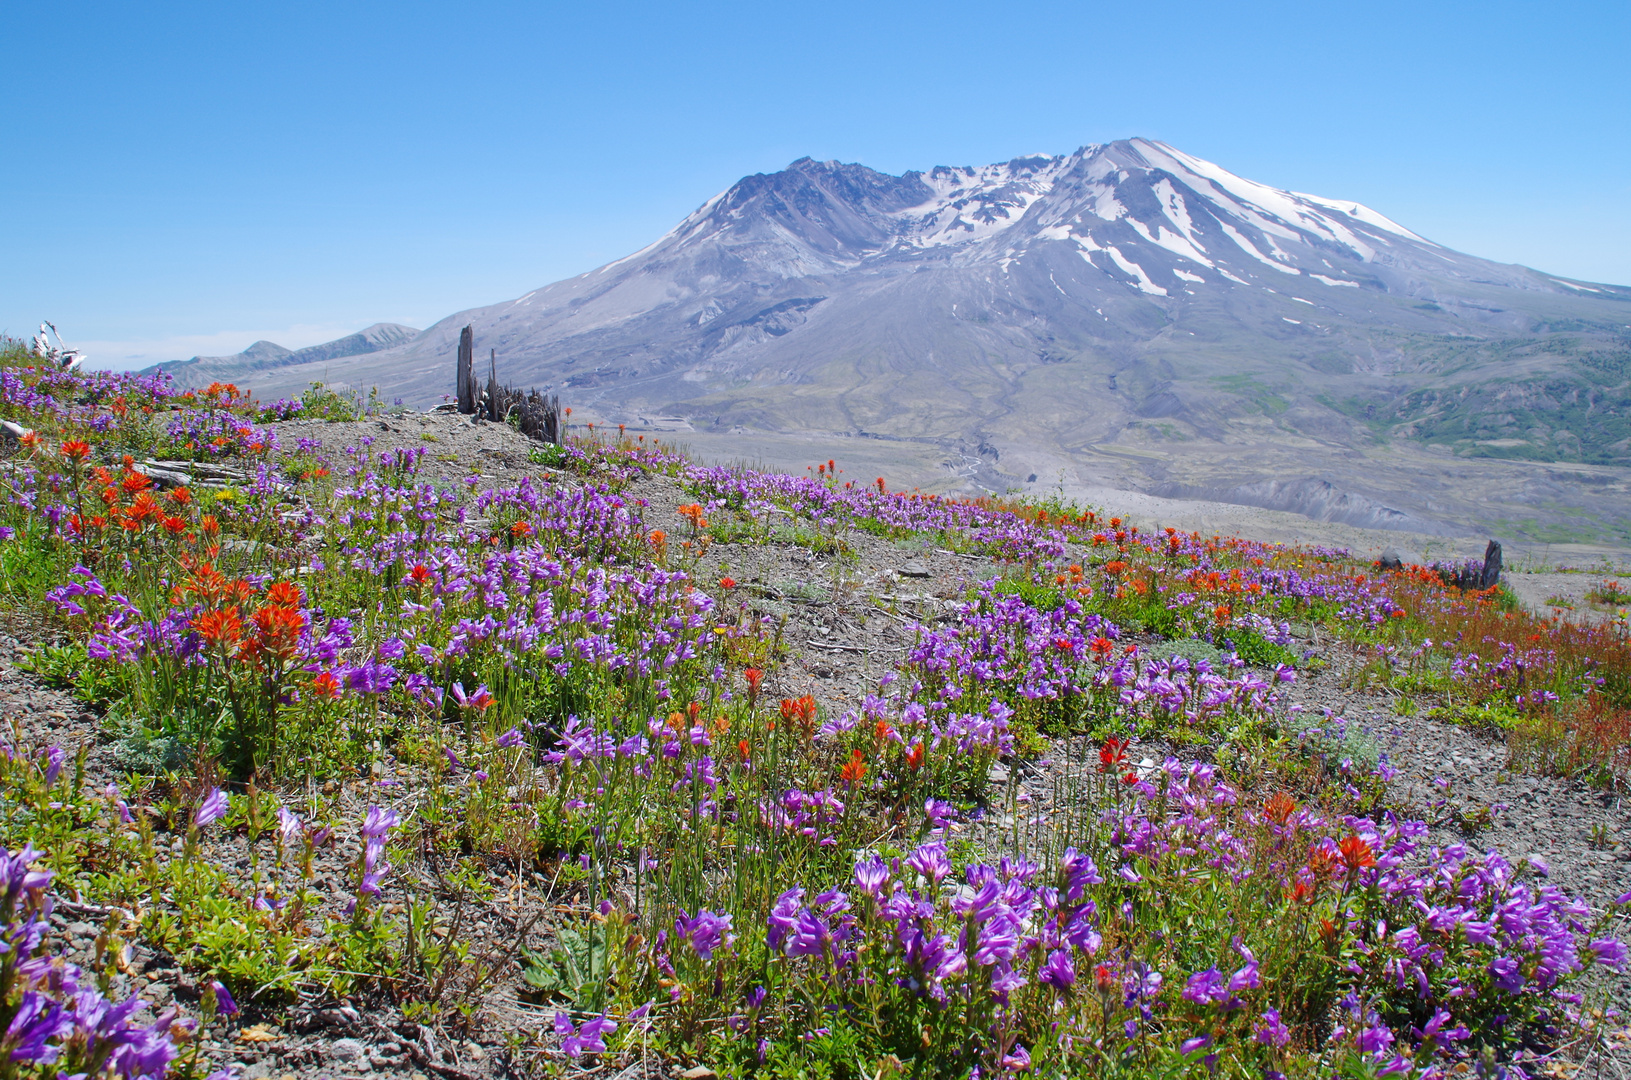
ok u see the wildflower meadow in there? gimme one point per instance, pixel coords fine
(502, 758)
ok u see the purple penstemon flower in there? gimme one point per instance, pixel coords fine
(224, 1003)
(289, 824)
(55, 756)
(784, 916)
(1270, 1030)
(211, 808)
(931, 861)
(871, 876)
(708, 931)
(1609, 952)
(1206, 987)
(376, 823)
(1058, 971)
(379, 821)
(590, 1038)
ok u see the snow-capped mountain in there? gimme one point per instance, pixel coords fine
(1127, 303)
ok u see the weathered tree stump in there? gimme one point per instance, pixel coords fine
(1492, 566)
(535, 415)
(464, 377)
(1472, 576)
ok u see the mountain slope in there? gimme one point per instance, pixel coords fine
(1127, 313)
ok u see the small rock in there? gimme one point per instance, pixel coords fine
(1393, 558)
(345, 1050)
(698, 1072)
(915, 569)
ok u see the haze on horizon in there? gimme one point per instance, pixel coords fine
(194, 178)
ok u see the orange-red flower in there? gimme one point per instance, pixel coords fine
(802, 712)
(221, 628)
(1356, 854)
(914, 757)
(277, 631)
(326, 685)
(284, 594)
(854, 769)
(76, 449)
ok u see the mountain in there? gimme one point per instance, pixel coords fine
(265, 355)
(1127, 315)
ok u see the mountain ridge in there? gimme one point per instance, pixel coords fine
(262, 355)
(1127, 312)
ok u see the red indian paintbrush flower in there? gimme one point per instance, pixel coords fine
(1356, 854)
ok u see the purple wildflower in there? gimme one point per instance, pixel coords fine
(1270, 1031)
(212, 808)
(708, 931)
(223, 999)
(1058, 972)
(1609, 952)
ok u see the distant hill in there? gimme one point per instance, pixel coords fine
(265, 355)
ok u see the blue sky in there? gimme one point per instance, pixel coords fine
(188, 177)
